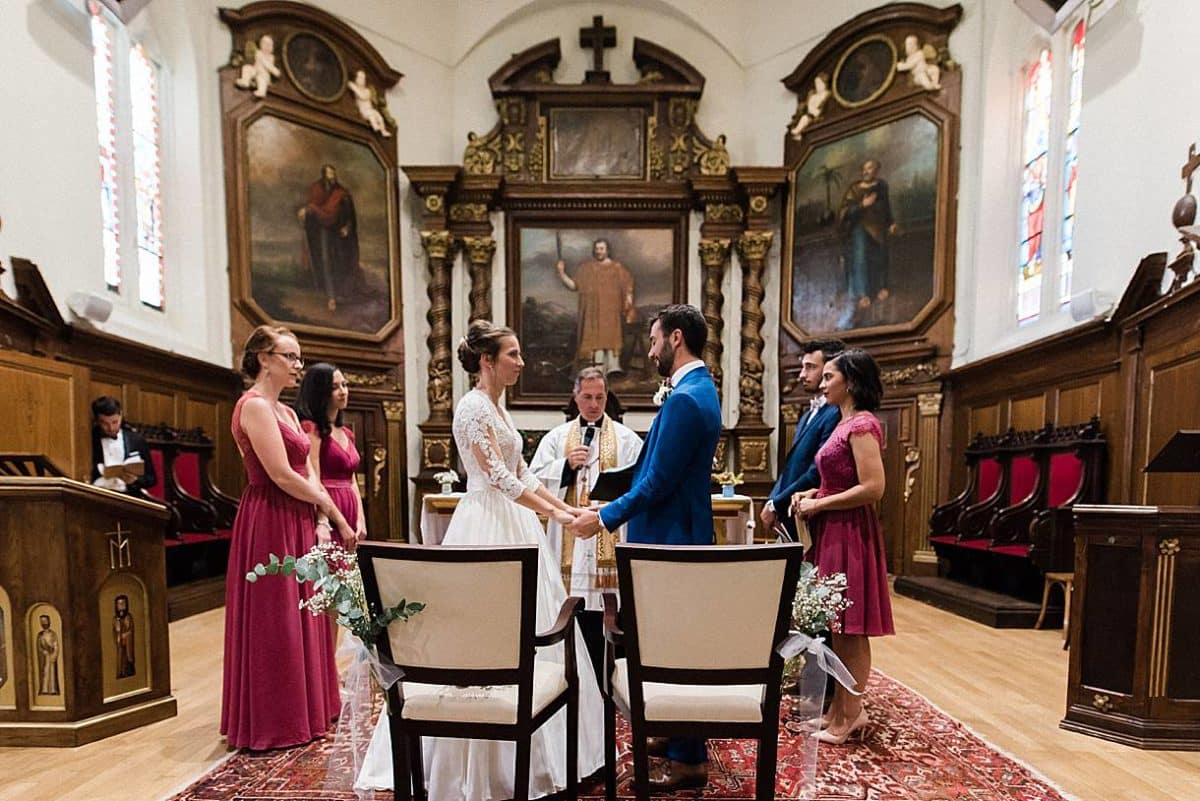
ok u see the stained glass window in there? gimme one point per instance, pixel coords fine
(1034, 158)
(143, 86)
(1071, 163)
(106, 125)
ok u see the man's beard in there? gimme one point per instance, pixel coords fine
(666, 361)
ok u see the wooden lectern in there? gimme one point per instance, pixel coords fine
(83, 613)
(1135, 616)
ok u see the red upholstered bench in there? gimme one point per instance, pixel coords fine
(1006, 541)
(985, 479)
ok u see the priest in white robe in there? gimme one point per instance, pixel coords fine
(568, 461)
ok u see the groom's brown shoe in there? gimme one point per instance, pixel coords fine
(678, 776)
(656, 746)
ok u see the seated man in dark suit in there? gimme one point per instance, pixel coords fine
(799, 472)
(114, 443)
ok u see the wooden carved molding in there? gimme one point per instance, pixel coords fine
(479, 251)
(1163, 611)
(714, 255)
(910, 374)
(436, 453)
(753, 247)
(752, 455)
(393, 411)
(534, 110)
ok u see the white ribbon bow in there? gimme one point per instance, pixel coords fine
(798, 642)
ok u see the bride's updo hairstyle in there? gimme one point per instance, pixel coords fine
(482, 339)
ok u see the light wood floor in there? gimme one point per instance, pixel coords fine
(1008, 686)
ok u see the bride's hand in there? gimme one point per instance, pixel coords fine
(562, 517)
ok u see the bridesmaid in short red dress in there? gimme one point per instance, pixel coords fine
(847, 537)
(321, 403)
(280, 681)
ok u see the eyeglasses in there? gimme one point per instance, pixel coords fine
(294, 358)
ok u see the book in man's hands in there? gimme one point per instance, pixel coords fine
(612, 484)
(131, 468)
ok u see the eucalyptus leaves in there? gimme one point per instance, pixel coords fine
(337, 589)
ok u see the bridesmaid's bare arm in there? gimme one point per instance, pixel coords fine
(868, 460)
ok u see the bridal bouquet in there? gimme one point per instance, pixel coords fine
(337, 589)
(817, 607)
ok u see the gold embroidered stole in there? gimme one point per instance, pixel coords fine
(606, 551)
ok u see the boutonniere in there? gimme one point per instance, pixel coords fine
(660, 397)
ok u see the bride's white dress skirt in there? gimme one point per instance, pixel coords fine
(482, 770)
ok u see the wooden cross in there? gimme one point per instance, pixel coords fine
(597, 38)
(1190, 166)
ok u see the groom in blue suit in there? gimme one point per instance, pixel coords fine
(670, 502)
(799, 472)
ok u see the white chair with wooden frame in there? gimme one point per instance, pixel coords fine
(477, 630)
(700, 626)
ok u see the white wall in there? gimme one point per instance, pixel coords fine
(1137, 123)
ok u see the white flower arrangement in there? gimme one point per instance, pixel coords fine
(660, 396)
(447, 478)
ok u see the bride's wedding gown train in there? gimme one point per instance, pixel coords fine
(482, 770)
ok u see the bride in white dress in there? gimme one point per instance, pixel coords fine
(500, 508)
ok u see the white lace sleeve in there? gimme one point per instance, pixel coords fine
(527, 476)
(477, 423)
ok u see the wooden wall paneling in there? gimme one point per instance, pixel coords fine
(1168, 398)
(46, 410)
(1077, 404)
(96, 388)
(1027, 413)
(984, 420)
(155, 406)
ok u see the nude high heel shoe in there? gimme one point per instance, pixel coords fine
(860, 726)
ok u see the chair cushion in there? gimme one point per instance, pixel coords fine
(482, 704)
(723, 703)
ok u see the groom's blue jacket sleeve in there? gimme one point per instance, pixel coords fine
(665, 466)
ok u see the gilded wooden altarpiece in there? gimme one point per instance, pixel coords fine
(313, 217)
(567, 164)
(869, 235)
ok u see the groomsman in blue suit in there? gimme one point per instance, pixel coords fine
(799, 472)
(670, 502)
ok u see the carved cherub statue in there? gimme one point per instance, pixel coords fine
(814, 106)
(921, 63)
(259, 66)
(367, 100)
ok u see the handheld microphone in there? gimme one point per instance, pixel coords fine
(589, 434)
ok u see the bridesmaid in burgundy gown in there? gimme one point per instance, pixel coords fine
(847, 537)
(280, 682)
(321, 403)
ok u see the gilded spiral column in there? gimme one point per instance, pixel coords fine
(714, 253)
(752, 435)
(753, 247)
(479, 251)
(439, 248)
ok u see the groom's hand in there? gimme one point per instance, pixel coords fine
(586, 524)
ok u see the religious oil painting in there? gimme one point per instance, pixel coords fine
(314, 67)
(597, 143)
(865, 71)
(863, 226)
(124, 644)
(581, 295)
(319, 208)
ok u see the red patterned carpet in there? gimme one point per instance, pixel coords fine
(913, 753)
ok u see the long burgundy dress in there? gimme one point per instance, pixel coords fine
(338, 466)
(850, 541)
(281, 682)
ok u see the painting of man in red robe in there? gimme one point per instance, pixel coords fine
(331, 238)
